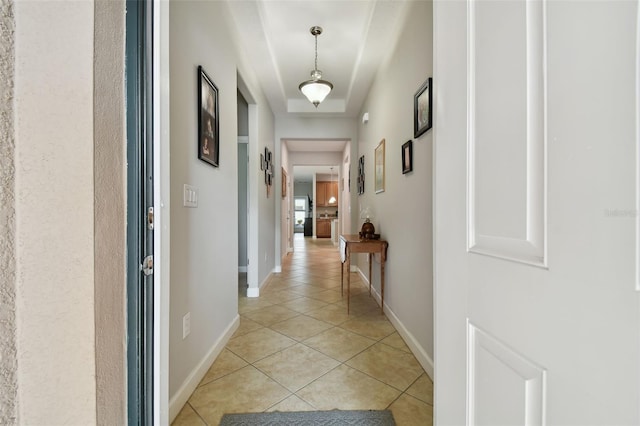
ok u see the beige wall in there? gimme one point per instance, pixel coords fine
(110, 205)
(69, 239)
(54, 212)
(8, 381)
(403, 211)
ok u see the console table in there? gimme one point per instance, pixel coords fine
(352, 243)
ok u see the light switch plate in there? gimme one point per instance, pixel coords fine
(190, 198)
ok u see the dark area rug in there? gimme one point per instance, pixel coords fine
(311, 418)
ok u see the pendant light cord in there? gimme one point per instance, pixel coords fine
(316, 63)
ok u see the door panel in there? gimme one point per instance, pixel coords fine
(535, 260)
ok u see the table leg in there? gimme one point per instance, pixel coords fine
(381, 285)
(342, 278)
(370, 261)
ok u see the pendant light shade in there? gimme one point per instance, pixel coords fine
(316, 89)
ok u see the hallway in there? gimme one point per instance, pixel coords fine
(297, 349)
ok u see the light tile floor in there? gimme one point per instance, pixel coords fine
(297, 349)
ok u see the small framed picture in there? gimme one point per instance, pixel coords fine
(361, 176)
(208, 127)
(407, 157)
(422, 109)
(284, 183)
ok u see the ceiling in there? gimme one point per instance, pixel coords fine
(275, 36)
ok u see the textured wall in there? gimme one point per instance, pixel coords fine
(7, 220)
(54, 147)
(110, 225)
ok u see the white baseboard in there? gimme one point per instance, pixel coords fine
(277, 269)
(242, 269)
(181, 397)
(253, 292)
(418, 351)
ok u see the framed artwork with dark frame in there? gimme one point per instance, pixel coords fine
(379, 167)
(208, 120)
(407, 157)
(361, 175)
(422, 109)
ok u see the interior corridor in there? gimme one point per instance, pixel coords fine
(297, 349)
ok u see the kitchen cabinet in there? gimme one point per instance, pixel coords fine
(324, 191)
(323, 228)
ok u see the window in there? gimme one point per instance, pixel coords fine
(300, 210)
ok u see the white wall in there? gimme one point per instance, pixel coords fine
(347, 190)
(54, 170)
(286, 203)
(243, 130)
(204, 240)
(403, 211)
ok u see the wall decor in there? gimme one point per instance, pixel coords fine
(261, 162)
(379, 167)
(267, 165)
(422, 110)
(284, 183)
(208, 120)
(361, 175)
(407, 157)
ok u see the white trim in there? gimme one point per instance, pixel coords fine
(533, 376)
(242, 269)
(531, 250)
(197, 374)
(253, 292)
(416, 349)
(161, 200)
(277, 269)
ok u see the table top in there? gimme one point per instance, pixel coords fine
(355, 238)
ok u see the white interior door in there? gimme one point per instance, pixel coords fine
(536, 212)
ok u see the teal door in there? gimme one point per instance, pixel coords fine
(139, 84)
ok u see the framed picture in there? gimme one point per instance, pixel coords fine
(284, 183)
(379, 163)
(261, 162)
(208, 120)
(361, 175)
(407, 157)
(422, 109)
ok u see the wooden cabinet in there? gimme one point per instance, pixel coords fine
(324, 191)
(321, 194)
(323, 228)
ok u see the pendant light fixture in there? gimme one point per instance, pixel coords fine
(316, 89)
(332, 200)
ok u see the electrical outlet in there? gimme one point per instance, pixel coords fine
(186, 325)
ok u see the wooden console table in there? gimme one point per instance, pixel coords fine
(353, 244)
